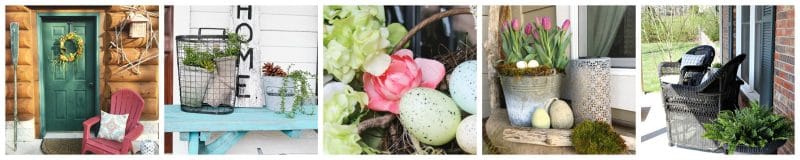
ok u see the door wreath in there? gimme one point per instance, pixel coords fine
(64, 56)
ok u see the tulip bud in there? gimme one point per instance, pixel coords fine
(565, 25)
(529, 29)
(515, 24)
(546, 23)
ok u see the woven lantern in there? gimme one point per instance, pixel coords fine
(138, 24)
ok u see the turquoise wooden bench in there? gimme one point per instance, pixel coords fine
(196, 128)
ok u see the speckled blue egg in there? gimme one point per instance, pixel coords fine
(463, 85)
(429, 115)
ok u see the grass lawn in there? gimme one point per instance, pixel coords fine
(652, 56)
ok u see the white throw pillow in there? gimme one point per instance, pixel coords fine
(112, 126)
(691, 60)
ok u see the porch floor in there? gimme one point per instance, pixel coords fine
(653, 129)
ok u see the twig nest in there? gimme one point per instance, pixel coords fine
(462, 86)
(522, 65)
(560, 114)
(540, 119)
(429, 115)
(467, 134)
(533, 64)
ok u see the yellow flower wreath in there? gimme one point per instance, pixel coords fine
(64, 56)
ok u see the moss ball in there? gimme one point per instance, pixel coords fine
(595, 137)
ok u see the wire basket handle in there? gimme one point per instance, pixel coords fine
(200, 31)
(426, 21)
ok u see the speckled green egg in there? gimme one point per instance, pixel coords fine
(429, 115)
(463, 85)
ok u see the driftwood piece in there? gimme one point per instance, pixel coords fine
(545, 137)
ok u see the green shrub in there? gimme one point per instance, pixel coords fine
(595, 137)
(754, 126)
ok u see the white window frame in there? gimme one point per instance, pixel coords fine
(747, 89)
(579, 37)
(621, 78)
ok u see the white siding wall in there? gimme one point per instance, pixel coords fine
(283, 34)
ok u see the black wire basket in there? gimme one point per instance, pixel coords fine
(206, 73)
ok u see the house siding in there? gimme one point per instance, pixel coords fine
(284, 35)
(110, 78)
(783, 75)
(783, 97)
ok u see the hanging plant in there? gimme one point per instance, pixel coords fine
(64, 55)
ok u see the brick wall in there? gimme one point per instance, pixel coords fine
(783, 97)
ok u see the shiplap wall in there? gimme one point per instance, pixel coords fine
(284, 34)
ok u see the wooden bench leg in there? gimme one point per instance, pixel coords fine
(293, 133)
(194, 143)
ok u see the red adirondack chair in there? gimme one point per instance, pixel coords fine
(124, 101)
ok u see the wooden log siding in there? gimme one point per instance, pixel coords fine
(114, 20)
(27, 74)
(114, 58)
(145, 83)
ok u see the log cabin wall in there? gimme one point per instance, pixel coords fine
(110, 79)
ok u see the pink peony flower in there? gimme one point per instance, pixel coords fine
(404, 73)
(546, 23)
(565, 25)
(529, 29)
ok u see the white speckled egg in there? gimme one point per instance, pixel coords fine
(463, 85)
(467, 134)
(429, 115)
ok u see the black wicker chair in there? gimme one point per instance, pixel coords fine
(693, 74)
(688, 107)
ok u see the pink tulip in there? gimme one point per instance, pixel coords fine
(537, 20)
(565, 25)
(535, 34)
(404, 73)
(515, 24)
(529, 29)
(546, 23)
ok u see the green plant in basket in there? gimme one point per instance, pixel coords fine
(754, 126)
(202, 59)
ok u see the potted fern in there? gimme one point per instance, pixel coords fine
(220, 89)
(533, 68)
(755, 129)
(196, 71)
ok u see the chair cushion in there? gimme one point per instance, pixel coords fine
(708, 75)
(691, 60)
(112, 126)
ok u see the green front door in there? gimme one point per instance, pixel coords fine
(69, 89)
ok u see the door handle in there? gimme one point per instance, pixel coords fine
(90, 85)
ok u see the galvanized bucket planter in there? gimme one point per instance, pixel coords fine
(524, 93)
(272, 98)
(194, 83)
(220, 91)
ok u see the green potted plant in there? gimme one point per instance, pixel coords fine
(272, 82)
(196, 71)
(533, 68)
(220, 89)
(755, 129)
(284, 92)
